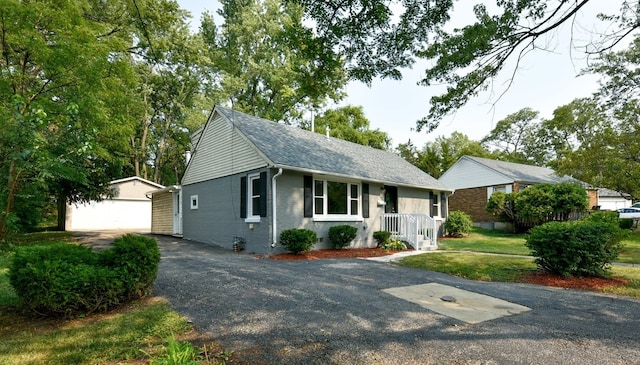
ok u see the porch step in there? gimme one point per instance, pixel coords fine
(426, 247)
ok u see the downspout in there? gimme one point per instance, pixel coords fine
(274, 224)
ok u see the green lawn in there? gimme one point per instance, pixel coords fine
(485, 240)
(142, 331)
(494, 241)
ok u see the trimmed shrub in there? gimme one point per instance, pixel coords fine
(297, 240)
(381, 237)
(62, 279)
(626, 223)
(394, 245)
(341, 236)
(136, 259)
(582, 248)
(458, 223)
(604, 216)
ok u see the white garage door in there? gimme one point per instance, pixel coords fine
(110, 214)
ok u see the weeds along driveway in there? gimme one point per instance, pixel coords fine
(334, 312)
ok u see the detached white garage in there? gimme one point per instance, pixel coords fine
(128, 209)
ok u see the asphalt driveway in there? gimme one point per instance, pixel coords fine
(335, 312)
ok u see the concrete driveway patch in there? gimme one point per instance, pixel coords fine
(460, 304)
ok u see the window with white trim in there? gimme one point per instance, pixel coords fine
(194, 202)
(435, 204)
(253, 197)
(336, 198)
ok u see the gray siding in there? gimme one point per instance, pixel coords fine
(221, 151)
(217, 219)
(290, 206)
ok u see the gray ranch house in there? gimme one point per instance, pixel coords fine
(249, 179)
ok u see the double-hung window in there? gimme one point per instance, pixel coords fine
(336, 199)
(253, 197)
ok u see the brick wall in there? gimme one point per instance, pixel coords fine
(472, 201)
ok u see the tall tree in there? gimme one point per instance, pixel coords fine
(60, 62)
(266, 62)
(379, 37)
(515, 138)
(349, 123)
(436, 157)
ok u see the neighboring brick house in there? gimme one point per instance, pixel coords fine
(475, 179)
(249, 179)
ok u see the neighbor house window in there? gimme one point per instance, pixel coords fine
(194, 202)
(336, 198)
(501, 188)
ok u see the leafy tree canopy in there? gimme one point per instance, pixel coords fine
(349, 123)
(379, 37)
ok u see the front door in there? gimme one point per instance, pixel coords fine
(391, 199)
(177, 212)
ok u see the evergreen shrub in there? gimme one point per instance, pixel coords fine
(297, 240)
(341, 236)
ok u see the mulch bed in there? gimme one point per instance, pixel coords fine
(347, 253)
(539, 278)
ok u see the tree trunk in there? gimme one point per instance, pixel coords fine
(62, 213)
(14, 175)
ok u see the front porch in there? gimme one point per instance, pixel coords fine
(419, 230)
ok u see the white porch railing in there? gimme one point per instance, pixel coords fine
(417, 229)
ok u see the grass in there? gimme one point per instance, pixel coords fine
(472, 266)
(490, 241)
(630, 253)
(143, 331)
(494, 241)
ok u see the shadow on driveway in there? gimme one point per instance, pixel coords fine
(335, 312)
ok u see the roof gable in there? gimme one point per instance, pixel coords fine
(499, 172)
(290, 147)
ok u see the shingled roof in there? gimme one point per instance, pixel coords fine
(524, 173)
(294, 148)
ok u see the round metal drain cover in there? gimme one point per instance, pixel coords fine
(448, 298)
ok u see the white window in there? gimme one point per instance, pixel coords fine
(194, 202)
(336, 200)
(501, 188)
(253, 198)
(435, 204)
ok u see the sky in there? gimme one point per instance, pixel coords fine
(544, 80)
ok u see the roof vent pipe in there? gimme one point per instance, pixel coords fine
(187, 157)
(327, 129)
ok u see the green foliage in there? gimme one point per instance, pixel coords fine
(297, 240)
(341, 236)
(539, 203)
(626, 223)
(63, 279)
(458, 223)
(136, 259)
(438, 156)
(267, 62)
(350, 124)
(581, 248)
(381, 237)
(178, 353)
(394, 245)
(603, 216)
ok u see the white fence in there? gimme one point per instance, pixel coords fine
(417, 229)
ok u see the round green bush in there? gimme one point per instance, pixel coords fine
(381, 237)
(61, 279)
(626, 223)
(458, 223)
(297, 240)
(341, 236)
(581, 248)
